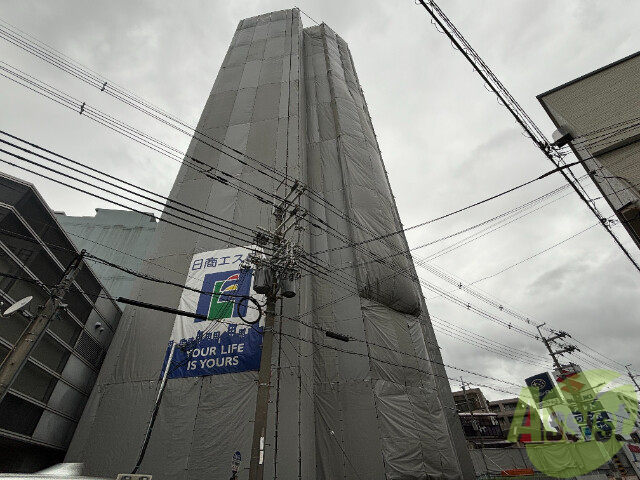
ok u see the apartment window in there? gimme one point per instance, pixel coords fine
(18, 415)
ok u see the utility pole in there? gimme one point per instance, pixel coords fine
(633, 378)
(577, 397)
(278, 270)
(475, 424)
(554, 354)
(15, 360)
(556, 362)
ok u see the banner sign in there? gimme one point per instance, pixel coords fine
(545, 386)
(225, 343)
(573, 385)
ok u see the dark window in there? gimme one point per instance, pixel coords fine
(18, 239)
(46, 227)
(18, 415)
(481, 425)
(51, 353)
(24, 254)
(65, 327)
(34, 382)
(12, 326)
(11, 192)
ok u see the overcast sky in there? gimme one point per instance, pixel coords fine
(445, 140)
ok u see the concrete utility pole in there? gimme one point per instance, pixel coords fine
(281, 265)
(576, 395)
(475, 424)
(554, 354)
(556, 362)
(15, 360)
(633, 378)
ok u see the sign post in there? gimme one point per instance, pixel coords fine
(235, 465)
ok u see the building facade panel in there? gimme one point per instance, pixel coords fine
(599, 112)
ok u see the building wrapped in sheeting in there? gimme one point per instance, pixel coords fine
(286, 103)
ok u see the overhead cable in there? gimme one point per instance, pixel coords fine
(518, 113)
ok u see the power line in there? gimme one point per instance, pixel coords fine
(534, 255)
(97, 82)
(147, 277)
(127, 133)
(305, 265)
(103, 85)
(181, 286)
(518, 113)
(127, 270)
(110, 177)
(441, 217)
(101, 197)
(122, 128)
(121, 94)
(334, 229)
(484, 232)
(365, 355)
(167, 206)
(500, 348)
(468, 306)
(500, 304)
(174, 284)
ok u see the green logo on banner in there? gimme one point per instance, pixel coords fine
(221, 304)
(588, 417)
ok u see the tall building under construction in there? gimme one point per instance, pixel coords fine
(286, 106)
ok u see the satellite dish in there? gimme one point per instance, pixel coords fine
(17, 306)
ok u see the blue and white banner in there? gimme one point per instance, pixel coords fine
(224, 343)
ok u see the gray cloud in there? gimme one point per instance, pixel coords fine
(445, 140)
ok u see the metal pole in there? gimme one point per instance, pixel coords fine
(16, 359)
(633, 378)
(554, 415)
(551, 352)
(156, 408)
(256, 465)
(475, 424)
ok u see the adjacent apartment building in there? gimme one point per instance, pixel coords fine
(598, 115)
(41, 411)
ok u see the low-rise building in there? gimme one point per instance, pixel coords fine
(474, 400)
(480, 425)
(597, 115)
(504, 409)
(39, 414)
(482, 430)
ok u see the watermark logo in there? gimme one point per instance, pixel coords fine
(576, 432)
